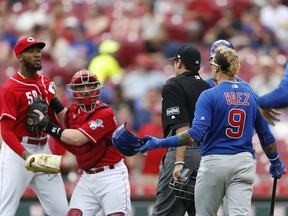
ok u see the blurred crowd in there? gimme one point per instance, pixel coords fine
(127, 44)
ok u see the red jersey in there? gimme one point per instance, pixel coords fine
(16, 95)
(98, 126)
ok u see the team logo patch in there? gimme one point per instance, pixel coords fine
(98, 123)
(172, 111)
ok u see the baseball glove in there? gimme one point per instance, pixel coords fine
(49, 164)
(33, 122)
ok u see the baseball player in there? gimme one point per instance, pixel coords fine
(104, 183)
(267, 111)
(225, 119)
(276, 99)
(179, 94)
(213, 47)
(21, 90)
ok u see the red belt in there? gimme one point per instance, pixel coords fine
(33, 140)
(100, 169)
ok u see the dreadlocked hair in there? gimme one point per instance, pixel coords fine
(228, 60)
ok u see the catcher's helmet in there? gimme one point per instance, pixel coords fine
(218, 43)
(125, 142)
(85, 87)
(184, 187)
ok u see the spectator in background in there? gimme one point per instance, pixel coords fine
(153, 30)
(34, 16)
(105, 65)
(126, 24)
(142, 77)
(267, 78)
(97, 15)
(144, 107)
(276, 99)
(274, 15)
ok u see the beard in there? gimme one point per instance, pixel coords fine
(31, 66)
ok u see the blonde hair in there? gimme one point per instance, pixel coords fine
(228, 60)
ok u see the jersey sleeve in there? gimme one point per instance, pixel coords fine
(175, 113)
(50, 92)
(263, 131)
(203, 116)
(278, 98)
(9, 108)
(101, 124)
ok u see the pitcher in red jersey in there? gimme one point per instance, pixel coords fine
(21, 90)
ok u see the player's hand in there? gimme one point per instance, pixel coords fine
(270, 115)
(177, 171)
(277, 170)
(152, 143)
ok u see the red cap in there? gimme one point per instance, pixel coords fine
(25, 43)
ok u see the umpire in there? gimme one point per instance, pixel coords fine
(179, 94)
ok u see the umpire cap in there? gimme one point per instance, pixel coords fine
(26, 42)
(189, 54)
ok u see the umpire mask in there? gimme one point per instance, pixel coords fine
(184, 187)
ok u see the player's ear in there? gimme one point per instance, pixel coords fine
(180, 63)
(20, 58)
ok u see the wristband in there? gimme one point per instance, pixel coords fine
(179, 163)
(54, 130)
(56, 105)
(274, 157)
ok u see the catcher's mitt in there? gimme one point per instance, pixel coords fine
(33, 122)
(49, 164)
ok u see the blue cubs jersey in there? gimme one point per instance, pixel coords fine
(225, 119)
(278, 98)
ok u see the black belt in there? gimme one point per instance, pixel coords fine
(193, 146)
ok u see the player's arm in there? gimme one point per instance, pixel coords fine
(73, 137)
(268, 145)
(59, 109)
(67, 136)
(180, 156)
(185, 138)
(194, 135)
(10, 138)
(56, 105)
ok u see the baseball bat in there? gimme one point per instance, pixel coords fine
(272, 204)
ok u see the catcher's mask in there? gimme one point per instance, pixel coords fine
(85, 88)
(184, 187)
(218, 43)
(125, 142)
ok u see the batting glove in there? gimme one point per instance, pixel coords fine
(277, 169)
(152, 143)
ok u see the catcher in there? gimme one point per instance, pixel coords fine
(90, 124)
